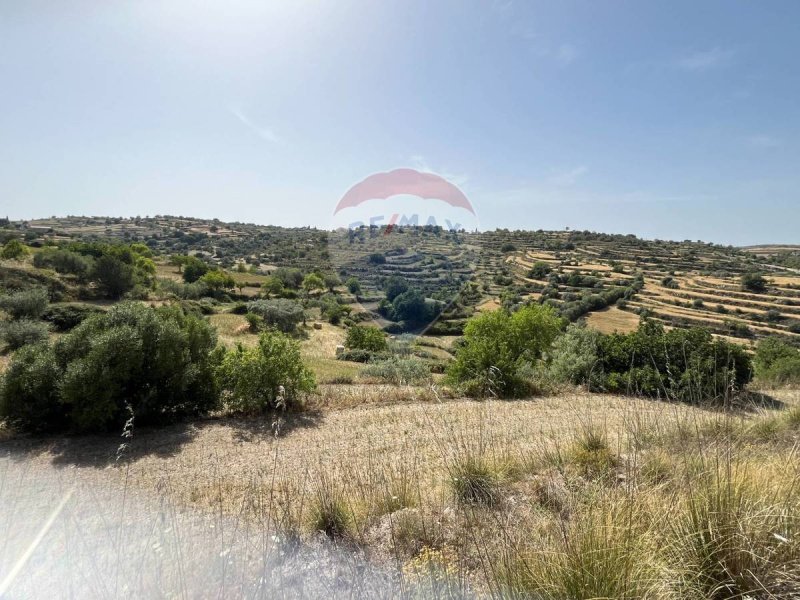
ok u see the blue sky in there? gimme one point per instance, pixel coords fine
(668, 120)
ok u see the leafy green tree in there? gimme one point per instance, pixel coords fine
(113, 276)
(250, 379)
(14, 250)
(353, 285)
(280, 313)
(272, 286)
(539, 270)
(497, 344)
(156, 363)
(753, 282)
(679, 364)
(218, 281)
(331, 281)
(364, 337)
(412, 308)
(193, 269)
(290, 278)
(313, 283)
(394, 286)
(29, 392)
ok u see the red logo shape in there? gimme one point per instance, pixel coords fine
(427, 186)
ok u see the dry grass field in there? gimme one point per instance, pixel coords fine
(499, 497)
(612, 320)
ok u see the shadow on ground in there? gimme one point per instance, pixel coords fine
(100, 451)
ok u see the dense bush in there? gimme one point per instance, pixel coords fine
(182, 290)
(14, 250)
(353, 285)
(63, 261)
(22, 332)
(575, 357)
(67, 316)
(681, 364)
(540, 270)
(753, 282)
(361, 356)
(25, 304)
(777, 363)
(250, 378)
(114, 276)
(193, 268)
(399, 370)
(289, 277)
(217, 281)
(157, 364)
(394, 286)
(411, 308)
(280, 313)
(360, 337)
(497, 344)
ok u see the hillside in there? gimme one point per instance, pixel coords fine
(582, 273)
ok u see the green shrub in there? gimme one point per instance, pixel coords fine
(353, 285)
(26, 304)
(63, 261)
(575, 359)
(361, 356)
(14, 250)
(29, 391)
(157, 363)
(399, 371)
(184, 291)
(240, 308)
(364, 337)
(753, 282)
(328, 512)
(474, 481)
(280, 313)
(113, 275)
(496, 344)
(540, 270)
(22, 332)
(254, 322)
(681, 364)
(193, 269)
(250, 378)
(67, 316)
(777, 363)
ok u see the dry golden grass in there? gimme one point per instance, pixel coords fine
(581, 486)
(321, 343)
(489, 305)
(232, 329)
(612, 319)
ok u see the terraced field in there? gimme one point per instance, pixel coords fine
(611, 280)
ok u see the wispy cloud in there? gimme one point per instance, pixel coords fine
(420, 164)
(763, 141)
(705, 60)
(566, 54)
(567, 177)
(262, 132)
